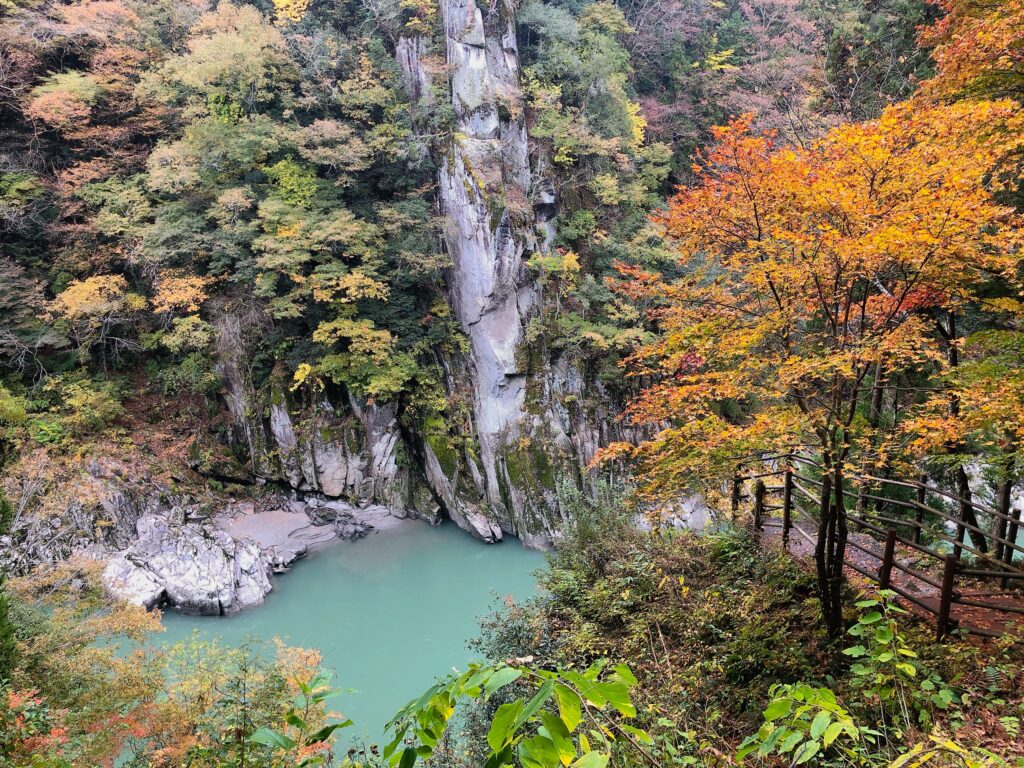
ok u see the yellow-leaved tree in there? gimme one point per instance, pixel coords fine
(807, 276)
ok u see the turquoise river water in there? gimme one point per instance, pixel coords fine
(389, 612)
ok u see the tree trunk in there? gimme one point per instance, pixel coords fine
(824, 559)
(967, 515)
(963, 488)
(839, 537)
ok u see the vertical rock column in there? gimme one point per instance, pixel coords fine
(483, 186)
(488, 159)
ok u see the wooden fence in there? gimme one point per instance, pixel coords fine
(898, 512)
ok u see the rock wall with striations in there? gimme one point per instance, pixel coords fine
(531, 419)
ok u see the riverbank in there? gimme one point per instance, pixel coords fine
(221, 563)
(388, 613)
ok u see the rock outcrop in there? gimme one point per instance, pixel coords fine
(533, 419)
(193, 568)
(223, 564)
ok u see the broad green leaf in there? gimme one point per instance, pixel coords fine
(559, 735)
(475, 681)
(595, 669)
(832, 733)
(586, 688)
(500, 733)
(327, 730)
(790, 741)
(778, 708)
(569, 706)
(538, 700)
(807, 751)
(819, 724)
(591, 760)
(769, 744)
(502, 677)
(500, 759)
(540, 750)
(638, 733)
(271, 738)
(389, 750)
(742, 752)
(626, 674)
(617, 695)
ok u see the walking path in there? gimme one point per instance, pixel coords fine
(978, 620)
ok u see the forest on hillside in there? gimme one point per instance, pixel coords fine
(583, 274)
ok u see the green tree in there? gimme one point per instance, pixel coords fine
(8, 648)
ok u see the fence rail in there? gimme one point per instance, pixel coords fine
(994, 552)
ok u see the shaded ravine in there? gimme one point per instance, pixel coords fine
(389, 612)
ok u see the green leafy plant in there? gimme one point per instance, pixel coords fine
(564, 718)
(887, 671)
(310, 747)
(803, 722)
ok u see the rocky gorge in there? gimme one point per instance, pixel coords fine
(531, 420)
(520, 420)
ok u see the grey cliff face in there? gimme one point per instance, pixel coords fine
(533, 420)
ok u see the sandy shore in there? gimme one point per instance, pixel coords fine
(284, 529)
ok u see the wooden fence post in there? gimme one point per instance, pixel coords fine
(919, 517)
(1011, 536)
(758, 504)
(946, 596)
(1003, 508)
(885, 572)
(1002, 524)
(787, 507)
(737, 485)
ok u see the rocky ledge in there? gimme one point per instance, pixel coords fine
(223, 564)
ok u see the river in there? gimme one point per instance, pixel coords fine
(389, 612)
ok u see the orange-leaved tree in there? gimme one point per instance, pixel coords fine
(806, 276)
(978, 47)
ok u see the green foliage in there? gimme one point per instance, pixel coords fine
(13, 415)
(309, 744)
(296, 185)
(193, 373)
(236, 57)
(887, 673)
(79, 406)
(803, 722)
(562, 718)
(871, 57)
(707, 622)
(71, 84)
(19, 193)
(8, 644)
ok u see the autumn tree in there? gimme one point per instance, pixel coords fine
(93, 309)
(71, 656)
(806, 275)
(978, 50)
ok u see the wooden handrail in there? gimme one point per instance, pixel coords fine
(948, 595)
